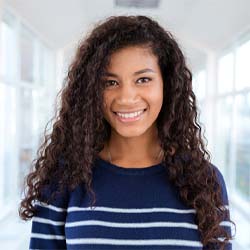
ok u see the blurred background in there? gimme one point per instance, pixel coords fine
(37, 42)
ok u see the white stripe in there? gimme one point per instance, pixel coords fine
(224, 207)
(225, 223)
(47, 221)
(48, 236)
(222, 239)
(132, 210)
(130, 225)
(134, 242)
(52, 207)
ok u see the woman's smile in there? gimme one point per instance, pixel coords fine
(129, 117)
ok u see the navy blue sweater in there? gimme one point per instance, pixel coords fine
(136, 208)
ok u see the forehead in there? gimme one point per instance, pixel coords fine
(133, 58)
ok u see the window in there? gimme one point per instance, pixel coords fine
(242, 66)
(223, 118)
(228, 109)
(26, 78)
(8, 137)
(242, 141)
(233, 121)
(7, 50)
(225, 75)
(199, 88)
(27, 49)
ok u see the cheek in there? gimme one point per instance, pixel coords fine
(105, 101)
(155, 99)
(105, 109)
(106, 106)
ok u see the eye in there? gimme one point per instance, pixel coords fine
(109, 83)
(147, 79)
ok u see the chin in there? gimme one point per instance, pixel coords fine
(130, 132)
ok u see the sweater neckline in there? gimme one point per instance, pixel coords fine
(149, 170)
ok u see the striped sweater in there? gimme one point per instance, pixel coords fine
(136, 208)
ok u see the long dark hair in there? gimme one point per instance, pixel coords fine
(80, 130)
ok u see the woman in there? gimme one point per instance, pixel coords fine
(125, 166)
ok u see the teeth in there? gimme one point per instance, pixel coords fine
(130, 115)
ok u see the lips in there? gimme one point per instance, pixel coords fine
(127, 112)
(130, 120)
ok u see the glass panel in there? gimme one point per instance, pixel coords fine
(26, 121)
(27, 134)
(42, 65)
(25, 158)
(223, 131)
(2, 141)
(46, 66)
(242, 66)
(243, 145)
(42, 109)
(225, 73)
(6, 50)
(35, 114)
(201, 113)
(8, 141)
(199, 84)
(27, 56)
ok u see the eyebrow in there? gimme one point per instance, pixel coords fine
(135, 73)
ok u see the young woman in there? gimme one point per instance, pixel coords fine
(125, 166)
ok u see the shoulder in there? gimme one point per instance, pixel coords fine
(221, 182)
(51, 193)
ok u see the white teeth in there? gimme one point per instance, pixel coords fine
(130, 115)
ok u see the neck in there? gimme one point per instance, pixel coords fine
(141, 150)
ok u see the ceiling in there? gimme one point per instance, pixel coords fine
(199, 26)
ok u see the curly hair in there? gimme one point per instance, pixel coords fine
(80, 130)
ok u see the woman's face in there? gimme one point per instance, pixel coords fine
(133, 83)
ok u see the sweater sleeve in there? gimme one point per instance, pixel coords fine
(225, 223)
(47, 229)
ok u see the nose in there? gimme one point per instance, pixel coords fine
(127, 94)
